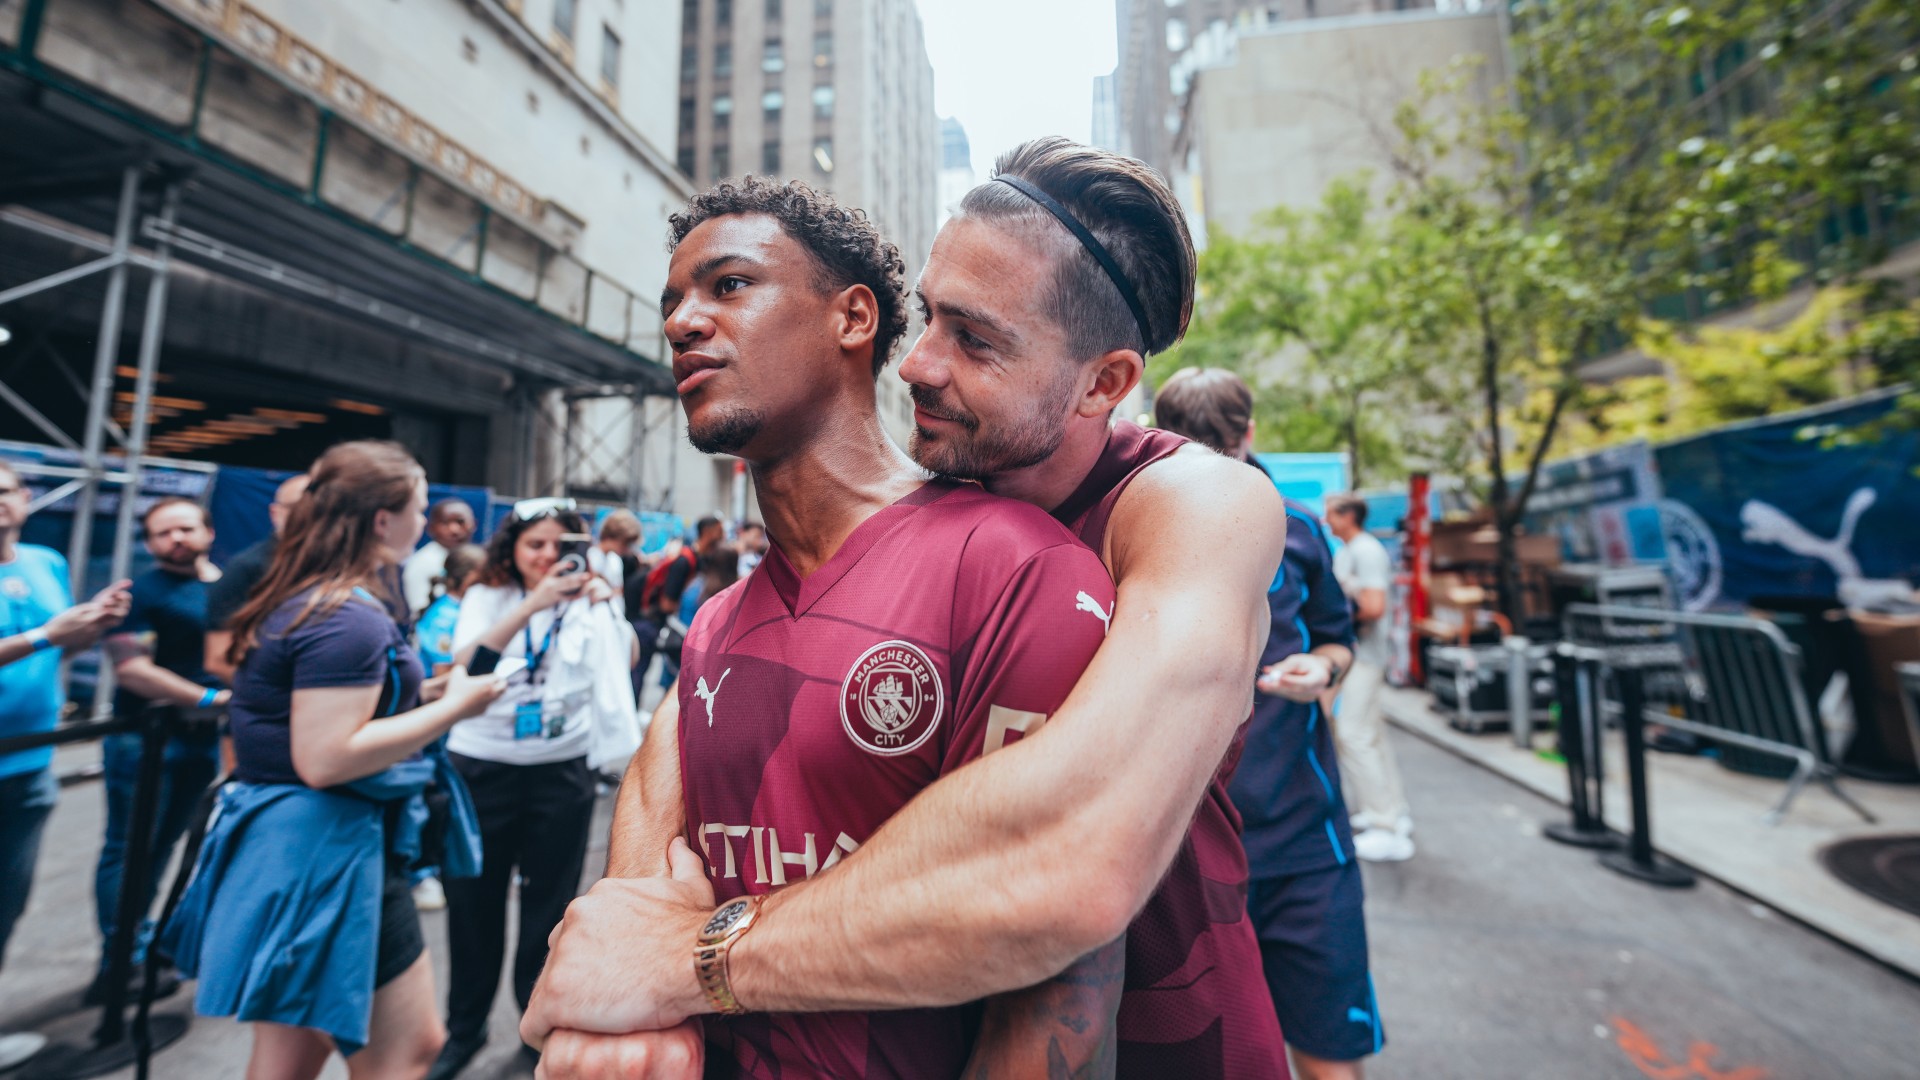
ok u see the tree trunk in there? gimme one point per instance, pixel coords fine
(1353, 443)
(1505, 520)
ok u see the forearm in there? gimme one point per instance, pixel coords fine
(648, 811)
(17, 647)
(215, 658)
(154, 683)
(980, 884)
(1064, 1027)
(375, 745)
(499, 635)
(1340, 656)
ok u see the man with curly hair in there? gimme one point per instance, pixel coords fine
(898, 629)
(1107, 816)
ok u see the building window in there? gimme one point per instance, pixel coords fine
(1176, 35)
(609, 56)
(823, 153)
(773, 101)
(689, 58)
(686, 114)
(722, 105)
(823, 102)
(723, 61)
(723, 12)
(770, 159)
(823, 9)
(823, 49)
(772, 58)
(722, 161)
(563, 17)
(686, 161)
(773, 12)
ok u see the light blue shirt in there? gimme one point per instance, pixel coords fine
(433, 634)
(33, 589)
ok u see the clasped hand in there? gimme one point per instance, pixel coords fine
(619, 988)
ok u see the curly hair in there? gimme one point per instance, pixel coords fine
(846, 248)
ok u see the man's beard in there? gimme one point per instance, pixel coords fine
(726, 433)
(180, 560)
(1028, 441)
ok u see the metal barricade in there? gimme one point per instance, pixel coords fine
(1727, 679)
(116, 1043)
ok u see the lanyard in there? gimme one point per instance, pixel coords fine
(534, 658)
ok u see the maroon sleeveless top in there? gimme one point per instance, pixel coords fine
(1196, 1003)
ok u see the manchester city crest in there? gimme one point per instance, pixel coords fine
(891, 700)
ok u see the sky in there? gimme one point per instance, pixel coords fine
(1009, 70)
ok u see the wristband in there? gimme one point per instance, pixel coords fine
(207, 699)
(39, 640)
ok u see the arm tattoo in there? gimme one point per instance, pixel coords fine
(1069, 1022)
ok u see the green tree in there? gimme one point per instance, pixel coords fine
(1652, 154)
(1296, 308)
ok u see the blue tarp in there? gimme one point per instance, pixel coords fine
(1787, 505)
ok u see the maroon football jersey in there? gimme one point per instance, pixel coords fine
(1196, 1003)
(812, 709)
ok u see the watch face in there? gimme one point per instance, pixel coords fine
(724, 919)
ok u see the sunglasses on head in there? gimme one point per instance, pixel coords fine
(535, 509)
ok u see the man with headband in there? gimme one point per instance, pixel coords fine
(1043, 295)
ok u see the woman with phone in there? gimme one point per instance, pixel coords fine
(298, 917)
(524, 759)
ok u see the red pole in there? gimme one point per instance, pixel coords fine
(1418, 550)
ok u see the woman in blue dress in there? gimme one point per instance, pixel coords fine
(298, 918)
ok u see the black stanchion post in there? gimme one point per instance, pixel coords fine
(1574, 685)
(111, 1049)
(1639, 860)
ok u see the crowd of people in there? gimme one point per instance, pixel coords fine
(1117, 840)
(350, 622)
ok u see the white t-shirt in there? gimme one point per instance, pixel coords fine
(489, 736)
(607, 565)
(1362, 563)
(418, 572)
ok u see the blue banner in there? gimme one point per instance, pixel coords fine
(1792, 505)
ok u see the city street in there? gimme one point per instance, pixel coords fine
(1498, 956)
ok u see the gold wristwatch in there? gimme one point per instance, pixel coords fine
(730, 921)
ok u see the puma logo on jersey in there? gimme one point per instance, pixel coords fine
(1083, 602)
(700, 691)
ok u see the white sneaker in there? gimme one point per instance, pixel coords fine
(17, 1046)
(428, 895)
(1383, 845)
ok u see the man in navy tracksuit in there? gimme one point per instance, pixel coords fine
(1305, 897)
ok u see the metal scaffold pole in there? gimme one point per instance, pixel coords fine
(105, 351)
(152, 327)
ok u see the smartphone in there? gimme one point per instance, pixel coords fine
(484, 661)
(573, 553)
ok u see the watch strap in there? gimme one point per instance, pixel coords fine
(713, 950)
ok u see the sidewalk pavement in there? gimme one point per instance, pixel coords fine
(1501, 955)
(1709, 818)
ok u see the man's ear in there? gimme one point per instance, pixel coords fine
(1115, 374)
(859, 317)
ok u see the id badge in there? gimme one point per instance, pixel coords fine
(527, 721)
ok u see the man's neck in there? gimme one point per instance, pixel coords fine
(1049, 483)
(817, 492)
(7, 544)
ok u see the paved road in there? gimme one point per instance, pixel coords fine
(1499, 956)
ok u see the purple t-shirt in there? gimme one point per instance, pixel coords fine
(357, 644)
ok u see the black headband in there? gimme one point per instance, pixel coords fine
(1094, 248)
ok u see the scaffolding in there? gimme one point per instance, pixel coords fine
(135, 193)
